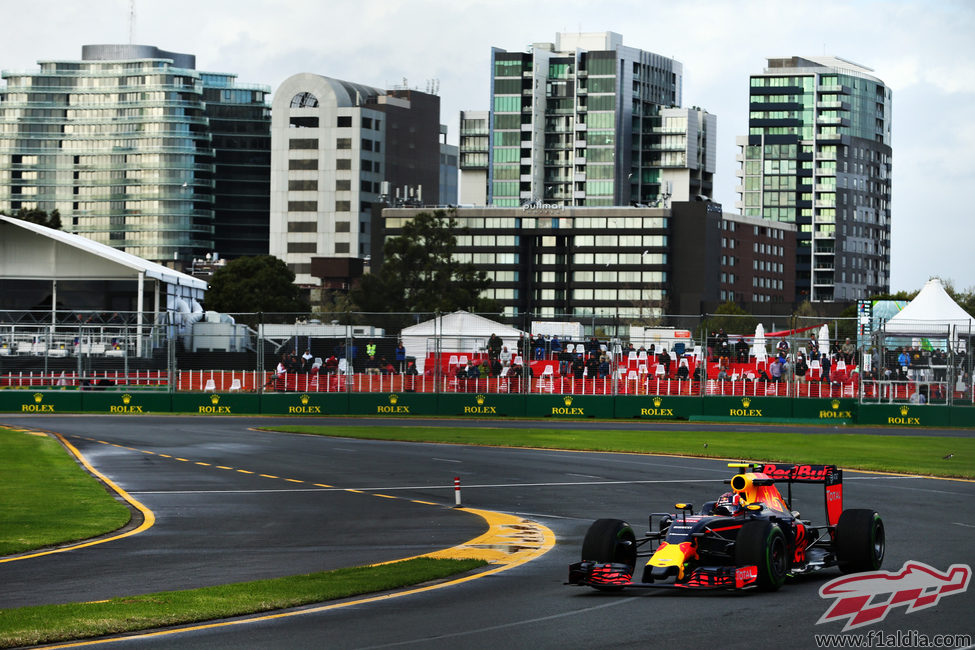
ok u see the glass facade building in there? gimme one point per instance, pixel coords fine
(120, 143)
(818, 155)
(579, 123)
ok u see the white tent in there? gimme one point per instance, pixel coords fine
(460, 333)
(932, 313)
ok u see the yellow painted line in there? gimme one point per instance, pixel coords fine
(165, 455)
(203, 464)
(244, 471)
(355, 491)
(426, 503)
(223, 467)
(322, 485)
(385, 496)
(293, 480)
(148, 518)
(184, 460)
(510, 542)
(268, 476)
(146, 451)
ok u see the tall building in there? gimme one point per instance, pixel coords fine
(120, 143)
(337, 148)
(240, 125)
(475, 131)
(582, 122)
(818, 154)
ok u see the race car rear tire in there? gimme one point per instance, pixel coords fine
(763, 544)
(860, 541)
(610, 540)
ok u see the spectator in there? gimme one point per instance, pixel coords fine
(682, 371)
(742, 348)
(306, 360)
(565, 363)
(578, 366)
(801, 367)
(604, 366)
(372, 366)
(370, 349)
(505, 356)
(400, 357)
(494, 346)
(848, 351)
(826, 361)
(904, 362)
(332, 365)
(386, 367)
(539, 347)
(556, 346)
(664, 360)
(484, 370)
(592, 366)
(721, 340)
(813, 347)
(775, 369)
(783, 347)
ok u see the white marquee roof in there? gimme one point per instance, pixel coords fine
(932, 312)
(29, 251)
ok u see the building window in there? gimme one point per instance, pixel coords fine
(341, 248)
(302, 247)
(303, 143)
(343, 226)
(343, 163)
(308, 163)
(343, 185)
(302, 226)
(304, 100)
(343, 206)
(302, 206)
(343, 143)
(303, 186)
(343, 121)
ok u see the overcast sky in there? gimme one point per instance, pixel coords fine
(924, 50)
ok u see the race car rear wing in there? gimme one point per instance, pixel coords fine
(829, 475)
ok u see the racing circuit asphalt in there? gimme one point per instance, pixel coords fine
(217, 524)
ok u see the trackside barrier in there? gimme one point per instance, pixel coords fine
(745, 409)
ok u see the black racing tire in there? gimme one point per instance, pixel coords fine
(763, 544)
(610, 540)
(860, 541)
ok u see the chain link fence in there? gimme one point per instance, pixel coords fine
(624, 353)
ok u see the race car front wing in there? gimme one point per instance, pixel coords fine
(612, 575)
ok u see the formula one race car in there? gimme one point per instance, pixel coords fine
(748, 538)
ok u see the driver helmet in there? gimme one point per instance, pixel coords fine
(728, 504)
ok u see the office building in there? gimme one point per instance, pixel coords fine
(586, 121)
(120, 143)
(337, 148)
(818, 155)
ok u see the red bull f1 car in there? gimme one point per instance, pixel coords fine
(748, 538)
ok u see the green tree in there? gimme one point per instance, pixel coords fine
(255, 284)
(420, 275)
(40, 217)
(729, 317)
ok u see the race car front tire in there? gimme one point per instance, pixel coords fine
(610, 540)
(860, 541)
(763, 544)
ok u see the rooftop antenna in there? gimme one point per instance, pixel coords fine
(131, 22)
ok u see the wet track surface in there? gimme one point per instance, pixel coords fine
(235, 504)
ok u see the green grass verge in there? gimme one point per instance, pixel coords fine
(46, 498)
(908, 454)
(51, 623)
